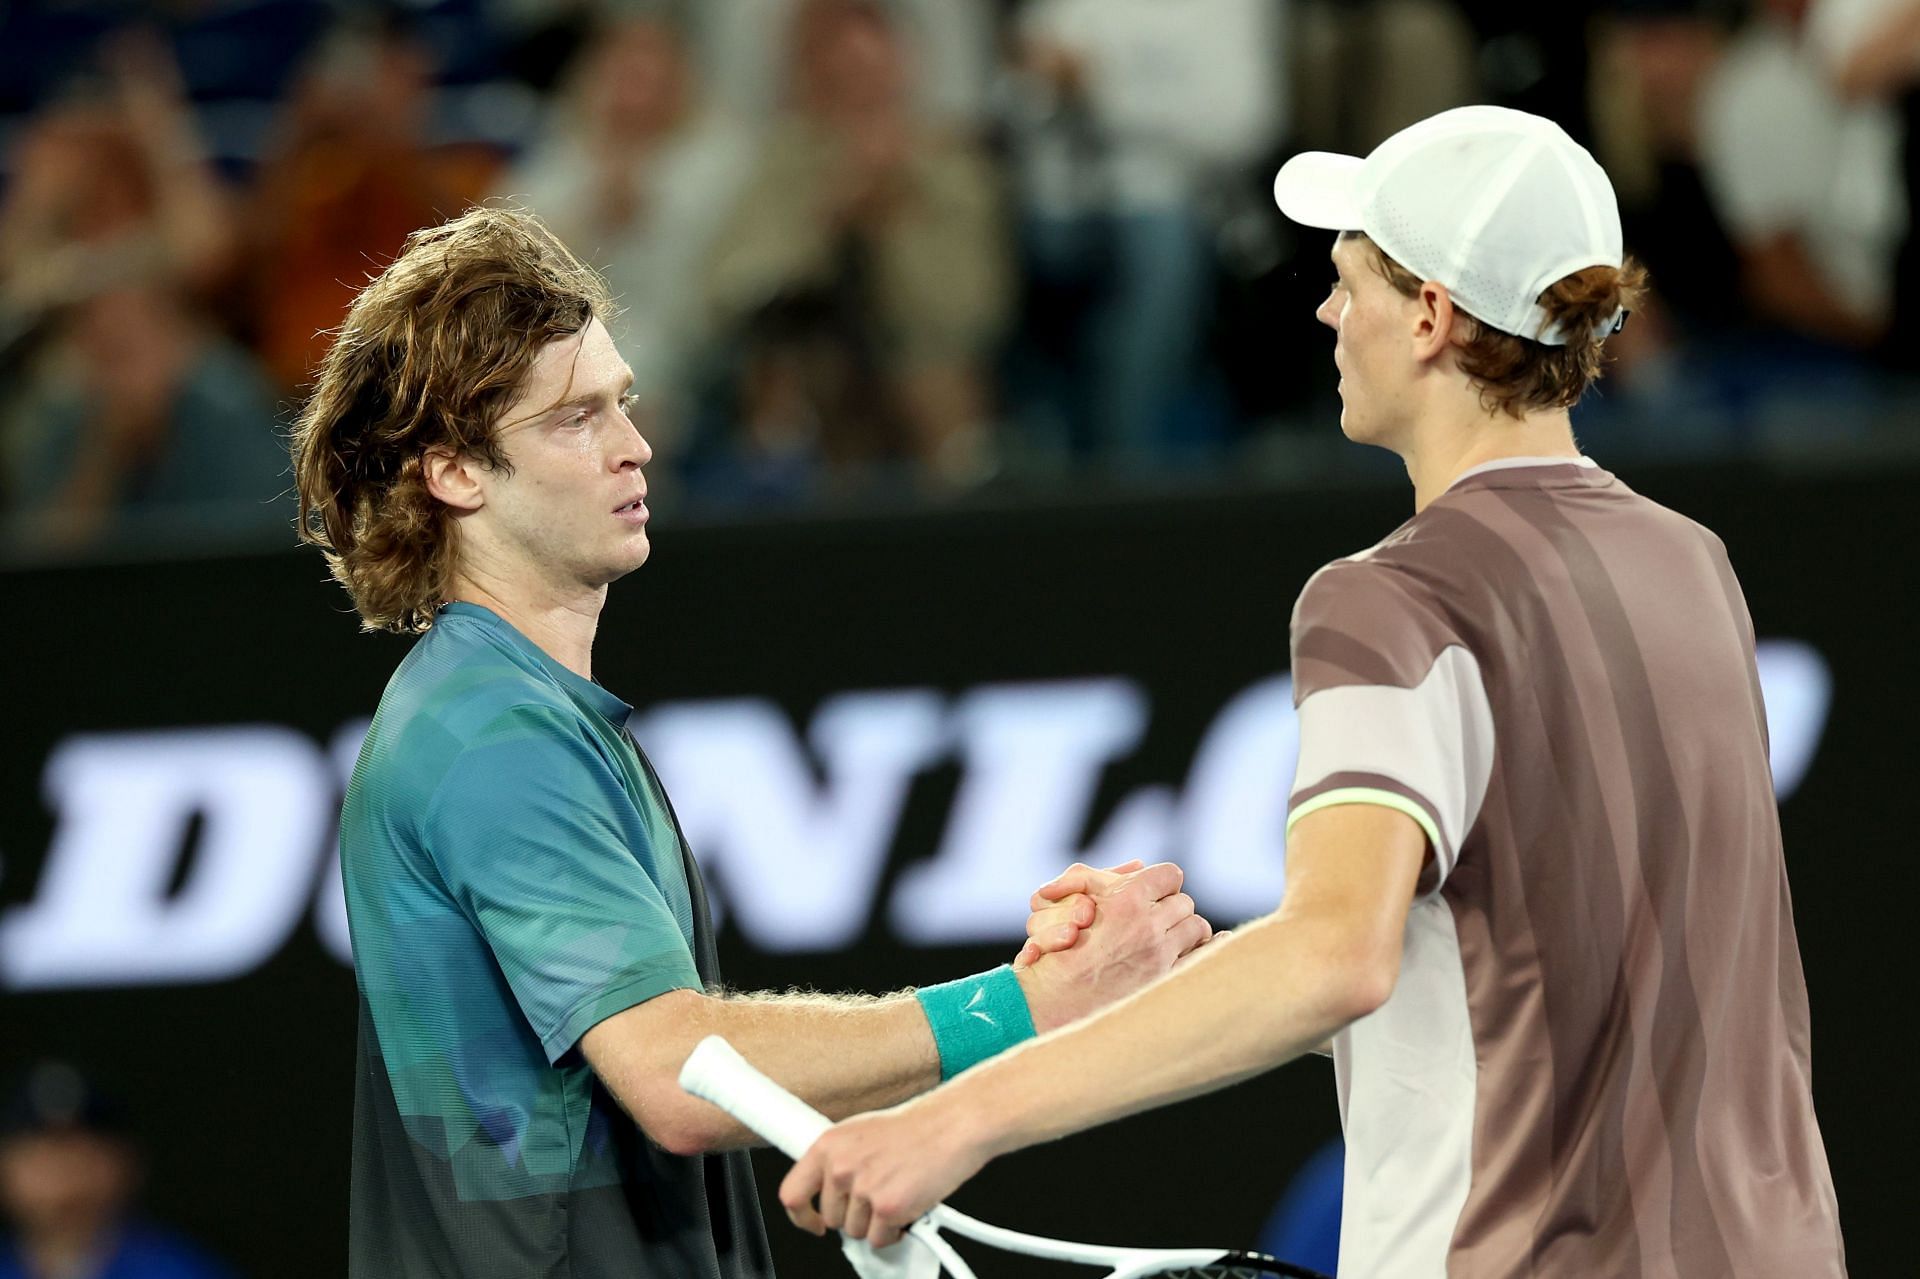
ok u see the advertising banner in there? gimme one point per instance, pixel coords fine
(880, 733)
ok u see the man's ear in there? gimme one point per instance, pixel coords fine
(453, 478)
(1434, 321)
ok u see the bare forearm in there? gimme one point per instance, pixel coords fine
(1273, 991)
(1268, 993)
(843, 1054)
(849, 1054)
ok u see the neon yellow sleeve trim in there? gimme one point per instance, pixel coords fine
(1368, 795)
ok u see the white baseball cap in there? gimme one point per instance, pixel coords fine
(1496, 204)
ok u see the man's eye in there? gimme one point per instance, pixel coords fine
(627, 403)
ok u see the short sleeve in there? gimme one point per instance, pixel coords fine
(1393, 708)
(533, 832)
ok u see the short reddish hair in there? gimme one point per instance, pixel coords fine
(1516, 374)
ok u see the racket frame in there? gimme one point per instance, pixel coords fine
(716, 1072)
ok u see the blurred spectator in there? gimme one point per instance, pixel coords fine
(634, 175)
(1751, 195)
(1871, 51)
(1807, 183)
(111, 186)
(1129, 116)
(1872, 47)
(1369, 69)
(68, 1179)
(879, 246)
(1652, 60)
(742, 45)
(117, 394)
(353, 171)
(1676, 385)
(794, 207)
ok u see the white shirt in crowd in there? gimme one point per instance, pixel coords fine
(1782, 152)
(1176, 90)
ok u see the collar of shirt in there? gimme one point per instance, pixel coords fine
(585, 691)
(1515, 463)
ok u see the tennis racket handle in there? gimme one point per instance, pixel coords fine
(716, 1072)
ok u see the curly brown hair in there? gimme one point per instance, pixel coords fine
(432, 352)
(1517, 374)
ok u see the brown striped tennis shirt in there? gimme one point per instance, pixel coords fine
(1596, 1060)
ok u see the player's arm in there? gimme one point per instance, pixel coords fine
(1274, 990)
(1064, 907)
(1278, 988)
(525, 828)
(847, 1054)
(844, 1054)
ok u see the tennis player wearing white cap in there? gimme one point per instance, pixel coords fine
(1535, 891)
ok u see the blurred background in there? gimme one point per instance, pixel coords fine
(994, 438)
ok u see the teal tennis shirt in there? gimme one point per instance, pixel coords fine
(514, 874)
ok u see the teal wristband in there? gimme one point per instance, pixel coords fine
(976, 1017)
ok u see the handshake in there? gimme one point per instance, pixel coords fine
(1096, 936)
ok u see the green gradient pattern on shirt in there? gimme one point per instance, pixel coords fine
(513, 876)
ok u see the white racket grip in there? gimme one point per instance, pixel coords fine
(716, 1072)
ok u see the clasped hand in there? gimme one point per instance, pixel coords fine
(1094, 936)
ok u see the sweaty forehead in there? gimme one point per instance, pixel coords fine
(574, 367)
(554, 364)
(573, 357)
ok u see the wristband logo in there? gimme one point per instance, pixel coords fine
(194, 854)
(977, 1007)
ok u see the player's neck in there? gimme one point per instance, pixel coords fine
(562, 625)
(1443, 448)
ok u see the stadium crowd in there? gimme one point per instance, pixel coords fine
(923, 247)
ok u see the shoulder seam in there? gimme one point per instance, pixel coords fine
(1398, 573)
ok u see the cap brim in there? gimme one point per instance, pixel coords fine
(1316, 188)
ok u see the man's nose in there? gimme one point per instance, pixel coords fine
(634, 448)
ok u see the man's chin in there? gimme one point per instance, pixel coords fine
(1356, 427)
(1349, 424)
(632, 558)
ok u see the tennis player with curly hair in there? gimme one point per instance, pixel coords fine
(1535, 896)
(531, 942)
